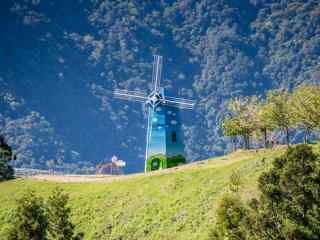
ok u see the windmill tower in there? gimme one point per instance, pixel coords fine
(165, 145)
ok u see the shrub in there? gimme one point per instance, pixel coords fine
(231, 214)
(235, 181)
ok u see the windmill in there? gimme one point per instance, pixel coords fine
(165, 145)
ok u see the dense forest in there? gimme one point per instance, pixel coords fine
(55, 107)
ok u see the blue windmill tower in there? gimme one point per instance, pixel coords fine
(165, 145)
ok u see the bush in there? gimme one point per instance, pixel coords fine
(235, 181)
(231, 214)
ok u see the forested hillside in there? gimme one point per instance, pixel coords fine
(61, 59)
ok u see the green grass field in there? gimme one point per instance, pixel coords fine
(179, 204)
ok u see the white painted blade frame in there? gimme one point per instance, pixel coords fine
(181, 103)
(130, 95)
(156, 72)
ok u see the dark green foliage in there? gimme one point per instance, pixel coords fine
(231, 214)
(6, 171)
(30, 220)
(290, 202)
(34, 220)
(175, 161)
(289, 206)
(60, 226)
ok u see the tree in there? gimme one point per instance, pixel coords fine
(277, 112)
(241, 123)
(262, 123)
(289, 207)
(6, 171)
(60, 226)
(30, 220)
(231, 128)
(305, 108)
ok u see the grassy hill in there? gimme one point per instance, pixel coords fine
(172, 204)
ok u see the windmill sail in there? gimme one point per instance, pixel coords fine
(179, 102)
(156, 73)
(130, 95)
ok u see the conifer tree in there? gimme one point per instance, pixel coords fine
(60, 226)
(6, 171)
(289, 207)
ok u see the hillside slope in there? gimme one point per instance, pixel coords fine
(175, 204)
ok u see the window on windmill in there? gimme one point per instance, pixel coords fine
(174, 137)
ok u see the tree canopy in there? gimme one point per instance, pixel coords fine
(279, 112)
(6, 155)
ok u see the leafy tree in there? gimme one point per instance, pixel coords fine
(231, 214)
(30, 220)
(305, 107)
(277, 112)
(6, 171)
(231, 128)
(262, 123)
(60, 226)
(242, 122)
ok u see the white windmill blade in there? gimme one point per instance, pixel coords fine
(128, 96)
(156, 72)
(182, 100)
(179, 104)
(124, 91)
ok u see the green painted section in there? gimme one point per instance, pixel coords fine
(160, 161)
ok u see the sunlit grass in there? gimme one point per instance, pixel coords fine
(170, 205)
